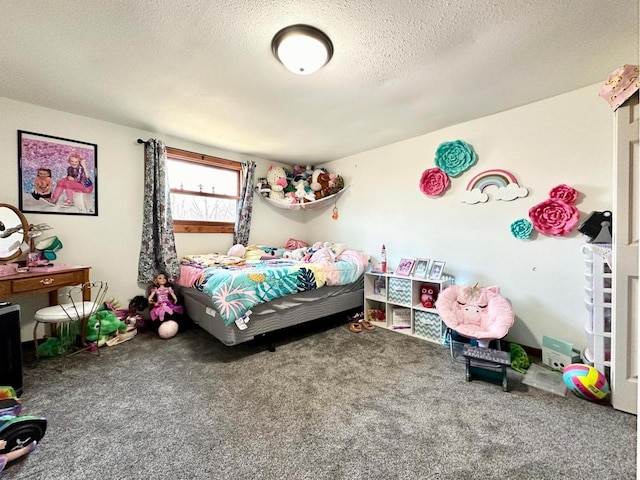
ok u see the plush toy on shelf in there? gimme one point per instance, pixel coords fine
(336, 183)
(302, 195)
(428, 295)
(320, 184)
(262, 187)
(277, 179)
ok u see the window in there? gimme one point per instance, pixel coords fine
(204, 192)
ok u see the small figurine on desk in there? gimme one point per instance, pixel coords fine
(163, 302)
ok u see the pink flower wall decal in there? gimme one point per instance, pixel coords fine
(565, 193)
(554, 217)
(433, 182)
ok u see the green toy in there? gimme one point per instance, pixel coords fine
(102, 325)
(50, 347)
(519, 359)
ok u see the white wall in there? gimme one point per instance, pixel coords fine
(566, 139)
(110, 242)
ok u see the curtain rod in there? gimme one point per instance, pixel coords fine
(141, 141)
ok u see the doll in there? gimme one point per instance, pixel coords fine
(133, 316)
(163, 301)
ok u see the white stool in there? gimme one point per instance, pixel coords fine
(69, 319)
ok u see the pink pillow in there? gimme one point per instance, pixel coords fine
(293, 244)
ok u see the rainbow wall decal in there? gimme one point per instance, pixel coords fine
(506, 183)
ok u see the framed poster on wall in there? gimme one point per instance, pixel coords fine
(57, 175)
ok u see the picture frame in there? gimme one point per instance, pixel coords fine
(57, 175)
(405, 266)
(421, 268)
(436, 270)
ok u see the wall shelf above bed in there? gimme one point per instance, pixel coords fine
(322, 203)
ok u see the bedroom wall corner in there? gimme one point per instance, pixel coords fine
(564, 139)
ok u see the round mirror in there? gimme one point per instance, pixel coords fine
(13, 231)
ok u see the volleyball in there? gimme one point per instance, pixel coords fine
(586, 382)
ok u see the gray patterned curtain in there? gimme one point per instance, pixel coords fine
(158, 247)
(245, 205)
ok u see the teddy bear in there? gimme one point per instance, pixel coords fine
(277, 180)
(320, 183)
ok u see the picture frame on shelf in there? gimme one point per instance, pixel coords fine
(421, 269)
(436, 270)
(405, 267)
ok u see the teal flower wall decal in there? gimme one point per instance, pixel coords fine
(455, 157)
(521, 229)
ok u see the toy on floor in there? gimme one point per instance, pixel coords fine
(18, 435)
(102, 325)
(50, 347)
(586, 382)
(131, 316)
(163, 302)
(519, 359)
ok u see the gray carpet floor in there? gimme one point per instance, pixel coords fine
(327, 404)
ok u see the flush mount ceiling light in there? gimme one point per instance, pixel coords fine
(302, 49)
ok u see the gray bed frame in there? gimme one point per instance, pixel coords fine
(280, 313)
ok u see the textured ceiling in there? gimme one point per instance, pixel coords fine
(203, 70)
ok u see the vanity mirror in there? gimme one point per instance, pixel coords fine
(14, 230)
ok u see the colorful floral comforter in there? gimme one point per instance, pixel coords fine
(236, 288)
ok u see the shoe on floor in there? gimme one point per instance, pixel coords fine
(367, 325)
(355, 327)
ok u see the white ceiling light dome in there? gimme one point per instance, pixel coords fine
(302, 49)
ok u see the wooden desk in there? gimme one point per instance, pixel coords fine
(45, 279)
(49, 280)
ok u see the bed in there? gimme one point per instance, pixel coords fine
(235, 299)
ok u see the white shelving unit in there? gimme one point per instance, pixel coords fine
(399, 298)
(598, 301)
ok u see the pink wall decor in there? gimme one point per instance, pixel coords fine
(557, 215)
(433, 182)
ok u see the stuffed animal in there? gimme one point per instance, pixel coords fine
(50, 347)
(296, 254)
(336, 183)
(102, 325)
(262, 187)
(302, 194)
(277, 179)
(237, 250)
(320, 184)
(428, 295)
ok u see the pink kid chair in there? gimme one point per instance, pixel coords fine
(478, 313)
